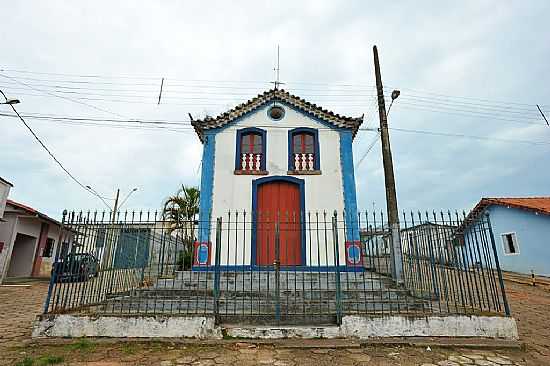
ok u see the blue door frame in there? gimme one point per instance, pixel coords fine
(278, 178)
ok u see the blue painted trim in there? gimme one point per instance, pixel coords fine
(245, 268)
(245, 131)
(207, 186)
(317, 152)
(278, 178)
(348, 185)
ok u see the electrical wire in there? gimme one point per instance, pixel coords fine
(179, 127)
(48, 150)
(449, 134)
(369, 148)
(62, 97)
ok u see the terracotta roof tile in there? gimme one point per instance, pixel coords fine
(535, 204)
(32, 211)
(539, 204)
(279, 95)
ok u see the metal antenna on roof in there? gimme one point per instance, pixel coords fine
(277, 69)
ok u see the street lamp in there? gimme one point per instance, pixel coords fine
(117, 206)
(127, 196)
(394, 95)
(11, 101)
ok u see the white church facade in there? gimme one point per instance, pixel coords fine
(278, 158)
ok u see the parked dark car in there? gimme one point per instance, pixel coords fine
(76, 267)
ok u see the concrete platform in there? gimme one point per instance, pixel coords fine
(352, 327)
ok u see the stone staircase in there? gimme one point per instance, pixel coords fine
(254, 297)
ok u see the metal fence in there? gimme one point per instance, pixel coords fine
(264, 267)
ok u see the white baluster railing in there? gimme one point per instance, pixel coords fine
(251, 162)
(304, 162)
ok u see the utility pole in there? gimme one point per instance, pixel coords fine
(109, 238)
(116, 205)
(389, 179)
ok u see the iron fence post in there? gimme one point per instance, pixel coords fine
(53, 276)
(277, 265)
(217, 268)
(337, 270)
(497, 264)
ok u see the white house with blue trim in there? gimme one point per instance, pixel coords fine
(521, 228)
(278, 159)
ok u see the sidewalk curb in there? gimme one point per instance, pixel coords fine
(470, 343)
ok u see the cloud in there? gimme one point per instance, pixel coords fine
(475, 49)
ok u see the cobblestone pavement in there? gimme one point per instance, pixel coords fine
(19, 306)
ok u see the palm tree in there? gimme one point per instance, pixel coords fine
(181, 207)
(179, 212)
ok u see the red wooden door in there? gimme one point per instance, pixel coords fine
(278, 201)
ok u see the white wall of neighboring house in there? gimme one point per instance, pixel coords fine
(7, 236)
(323, 192)
(20, 251)
(19, 255)
(4, 192)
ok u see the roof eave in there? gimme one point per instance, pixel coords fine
(279, 95)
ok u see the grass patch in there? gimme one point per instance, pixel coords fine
(156, 346)
(40, 361)
(129, 348)
(49, 360)
(83, 345)
(27, 361)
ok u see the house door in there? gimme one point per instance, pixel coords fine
(278, 202)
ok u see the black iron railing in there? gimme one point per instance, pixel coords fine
(265, 267)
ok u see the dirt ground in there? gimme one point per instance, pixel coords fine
(530, 306)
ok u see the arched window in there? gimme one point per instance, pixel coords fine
(250, 151)
(303, 150)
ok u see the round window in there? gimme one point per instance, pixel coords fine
(276, 112)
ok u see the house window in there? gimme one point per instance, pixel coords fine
(303, 151)
(510, 244)
(48, 249)
(250, 152)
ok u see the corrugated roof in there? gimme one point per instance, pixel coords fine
(276, 95)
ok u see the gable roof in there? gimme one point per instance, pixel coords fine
(31, 211)
(276, 95)
(5, 182)
(539, 205)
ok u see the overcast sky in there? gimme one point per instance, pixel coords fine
(475, 68)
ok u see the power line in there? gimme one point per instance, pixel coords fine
(91, 78)
(369, 148)
(448, 134)
(181, 127)
(465, 113)
(166, 90)
(463, 97)
(47, 150)
(62, 97)
(97, 76)
(460, 104)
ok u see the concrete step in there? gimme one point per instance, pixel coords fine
(254, 308)
(307, 294)
(207, 275)
(265, 284)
